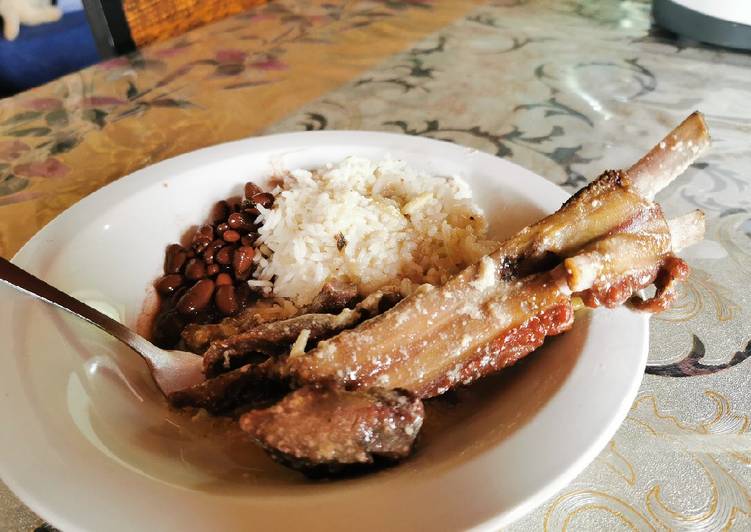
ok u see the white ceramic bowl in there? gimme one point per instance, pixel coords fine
(88, 443)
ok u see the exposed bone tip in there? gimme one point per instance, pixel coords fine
(698, 119)
(670, 157)
(582, 271)
(687, 230)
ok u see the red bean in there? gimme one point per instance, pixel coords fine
(212, 269)
(251, 189)
(235, 220)
(224, 255)
(231, 236)
(223, 279)
(206, 230)
(168, 284)
(225, 299)
(195, 269)
(243, 260)
(234, 204)
(240, 221)
(202, 238)
(263, 198)
(197, 297)
(221, 228)
(247, 240)
(174, 258)
(219, 212)
(200, 242)
(211, 249)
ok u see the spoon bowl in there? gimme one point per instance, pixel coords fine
(172, 370)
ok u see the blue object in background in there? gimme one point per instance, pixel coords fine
(43, 53)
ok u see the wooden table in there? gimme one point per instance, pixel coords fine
(563, 88)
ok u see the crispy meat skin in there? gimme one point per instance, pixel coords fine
(268, 338)
(323, 430)
(674, 270)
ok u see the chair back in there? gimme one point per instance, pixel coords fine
(121, 26)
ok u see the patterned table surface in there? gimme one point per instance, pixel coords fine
(565, 88)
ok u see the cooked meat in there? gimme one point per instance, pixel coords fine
(247, 386)
(328, 431)
(333, 298)
(232, 381)
(269, 339)
(306, 430)
(276, 337)
(683, 232)
(198, 337)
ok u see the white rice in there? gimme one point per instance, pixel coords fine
(397, 223)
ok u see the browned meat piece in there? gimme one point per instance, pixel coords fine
(683, 232)
(247, 386)
(333, 298)
(328, 431)
(276, 337)
(198, 337)
(242, 383)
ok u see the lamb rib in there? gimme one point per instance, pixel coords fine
(418, 344)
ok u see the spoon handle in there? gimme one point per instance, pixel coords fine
(26, 282)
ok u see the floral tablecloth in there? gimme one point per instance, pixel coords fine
(565, 88)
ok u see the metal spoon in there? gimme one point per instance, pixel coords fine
(171, 370)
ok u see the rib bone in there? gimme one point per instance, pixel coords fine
(687, 230)
(670, 157)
